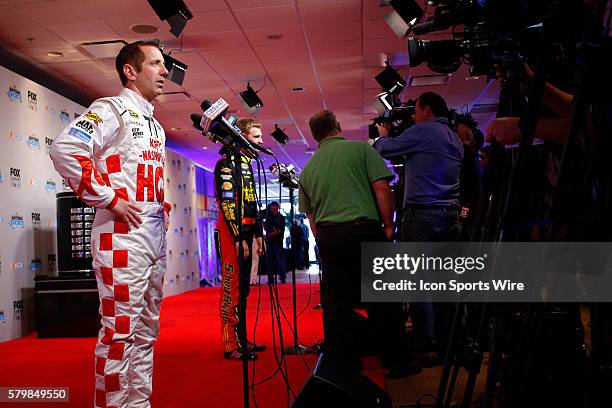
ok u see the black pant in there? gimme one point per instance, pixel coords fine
(339, 249)
(434, 224)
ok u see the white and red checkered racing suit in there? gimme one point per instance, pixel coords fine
(115, 151)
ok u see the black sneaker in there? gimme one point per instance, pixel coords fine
(239, 355)
(252, 347)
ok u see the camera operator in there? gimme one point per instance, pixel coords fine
(433, 154)
(228, 239)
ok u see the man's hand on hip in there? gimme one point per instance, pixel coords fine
(128, 212)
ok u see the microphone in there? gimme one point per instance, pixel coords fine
(213, 121)
(221, 129)
(196, 119)
(212, 112)
(286, 175)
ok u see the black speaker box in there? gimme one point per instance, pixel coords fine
(332, 385)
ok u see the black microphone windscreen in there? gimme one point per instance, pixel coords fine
(205, 105)
(196, 119)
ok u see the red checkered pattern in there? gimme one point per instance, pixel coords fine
(122, 324)
(100, 364)
(108, 336)
(101, 398)
(115, 351)
(120, 227)
(113, 164)
(106, 242)
(120, 258)
(111, 382)
(122, 293)
(108, 307)
(107, 275)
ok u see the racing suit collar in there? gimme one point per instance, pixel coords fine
(141, 103)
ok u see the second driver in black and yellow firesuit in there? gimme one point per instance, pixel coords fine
(228, 239)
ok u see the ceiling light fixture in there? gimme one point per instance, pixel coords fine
(250, 98)
(278, 135)
(390, 80)
(176, 69)
(175, 12)
(405, 14)
(54, 54)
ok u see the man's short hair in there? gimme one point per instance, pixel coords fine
(132, 54)
(322, 124)
(246, 124)
(436, 103)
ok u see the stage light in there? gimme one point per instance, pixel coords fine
(280, 136)
(175, 12)
(176, 69)
(250, 98)
(405, 14)
(390, 80)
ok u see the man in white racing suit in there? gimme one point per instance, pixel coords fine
(113, 158)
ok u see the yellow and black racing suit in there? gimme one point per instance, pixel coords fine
(226, 236)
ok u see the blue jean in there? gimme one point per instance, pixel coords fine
(274, 262)
(434, 224)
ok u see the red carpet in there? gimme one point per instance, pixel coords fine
(189, 367)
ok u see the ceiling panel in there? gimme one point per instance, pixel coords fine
(11, 17)
(206, 5)
(58, 11)
(232, 55)
(238, 4)
(332, 48)
(215, 41)
(336, 49)
(336, 31)
(70, 54)
(330, 12)
(268, 17)
(86, 31)
(294, 52)
(289, 35)
(30, 36)
(211, 22)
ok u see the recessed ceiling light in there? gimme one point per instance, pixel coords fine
(54, 54)
(204, 147)
(297, 89)
(144, 29)
(175, 128)
(472, 78)
(275, 36)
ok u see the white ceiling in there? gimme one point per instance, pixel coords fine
(331, 48)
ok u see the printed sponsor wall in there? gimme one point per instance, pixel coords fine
(30, 118)
(182, 254)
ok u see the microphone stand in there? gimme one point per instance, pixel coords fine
(296, 348)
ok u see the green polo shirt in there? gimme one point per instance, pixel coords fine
(335, 185)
